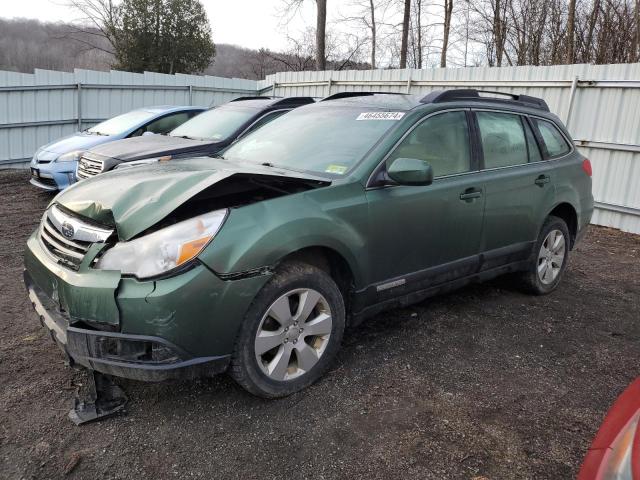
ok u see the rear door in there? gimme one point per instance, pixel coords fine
(518, 186)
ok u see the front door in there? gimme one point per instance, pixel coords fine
(421, 236)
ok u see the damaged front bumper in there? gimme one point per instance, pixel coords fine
(177, 327)
(138, 357)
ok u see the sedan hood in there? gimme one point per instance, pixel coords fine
(148, 146)
(134, 199)
(77, 141)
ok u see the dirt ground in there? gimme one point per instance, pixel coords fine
(483, 383)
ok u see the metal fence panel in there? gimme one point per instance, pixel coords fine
(600, 102)
(37, 108)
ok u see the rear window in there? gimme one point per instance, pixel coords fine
(554, 141)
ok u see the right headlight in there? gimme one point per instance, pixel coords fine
(163, 250)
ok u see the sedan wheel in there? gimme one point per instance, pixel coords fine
(293, 334)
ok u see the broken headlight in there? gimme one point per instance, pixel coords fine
(164, 250)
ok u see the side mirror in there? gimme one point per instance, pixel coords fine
(410, 171)
(146, 134)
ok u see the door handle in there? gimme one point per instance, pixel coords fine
(470, 194)
(542, 179)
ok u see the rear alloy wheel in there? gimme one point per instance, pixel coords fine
(291, 332)
(550, 258)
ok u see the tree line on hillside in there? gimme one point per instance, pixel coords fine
(174, 36)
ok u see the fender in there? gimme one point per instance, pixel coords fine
(261, 234)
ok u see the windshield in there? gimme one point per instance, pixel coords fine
(216, 124)
(316, 139)
(122, 123)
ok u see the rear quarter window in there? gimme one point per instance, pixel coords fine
(554, 141)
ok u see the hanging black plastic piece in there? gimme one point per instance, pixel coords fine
(104, 399)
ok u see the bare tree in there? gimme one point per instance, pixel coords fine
(571, 27)
(291, 7)
(367, 14)
(448, 10)
(405, 34)
(321, 26)
(636, 41)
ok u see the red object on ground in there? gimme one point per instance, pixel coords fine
(615, 452)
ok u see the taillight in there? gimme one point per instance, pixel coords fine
(586, 166)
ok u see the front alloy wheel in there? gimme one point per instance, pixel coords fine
(293, 334)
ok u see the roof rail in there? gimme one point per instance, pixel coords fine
(294, 101)
(440, 96)
(255, 97)
(339, 95)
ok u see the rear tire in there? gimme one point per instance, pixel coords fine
(291, 332)
(550, 258)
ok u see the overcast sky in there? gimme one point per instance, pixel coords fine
(249, 23)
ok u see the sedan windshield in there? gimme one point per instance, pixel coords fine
(315, 139)
(216, 124)
(122, 123)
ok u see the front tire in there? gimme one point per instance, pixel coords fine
(291, 332)
(550, 258)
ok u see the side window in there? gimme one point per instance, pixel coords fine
(442, 141)
(532, 144)
(262, 121)
(554, 141)
(503, 140)
(167, 123)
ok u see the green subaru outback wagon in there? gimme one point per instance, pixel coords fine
(254, 262)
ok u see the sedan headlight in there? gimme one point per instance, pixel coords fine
(162, 251)
(71, 156)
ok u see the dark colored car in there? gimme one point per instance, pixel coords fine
(205, 134)
(256, 261)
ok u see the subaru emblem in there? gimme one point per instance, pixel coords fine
(67, 230)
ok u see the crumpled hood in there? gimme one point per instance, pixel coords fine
(134, 199)
(148, 146)
(76, 141)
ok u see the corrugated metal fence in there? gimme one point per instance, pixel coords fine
(599, 103)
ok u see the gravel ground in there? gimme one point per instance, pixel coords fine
(484, 383)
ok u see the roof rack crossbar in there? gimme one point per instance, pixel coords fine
(440, 96)
(339, 95)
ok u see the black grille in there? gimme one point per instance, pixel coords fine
(49, 182)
